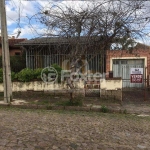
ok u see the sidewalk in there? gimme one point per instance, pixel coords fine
(138, 109)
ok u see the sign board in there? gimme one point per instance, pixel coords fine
(136, 75)
(136, 71)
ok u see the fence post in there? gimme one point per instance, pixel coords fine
(145, 86)
(147, 80)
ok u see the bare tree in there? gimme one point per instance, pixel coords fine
(95, 27)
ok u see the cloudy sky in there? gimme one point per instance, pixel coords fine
(19, 13)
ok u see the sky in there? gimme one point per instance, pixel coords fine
(19, 13)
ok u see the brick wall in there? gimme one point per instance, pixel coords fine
(118, 54)
(12, 51)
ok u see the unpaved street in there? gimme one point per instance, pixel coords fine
(51, 130)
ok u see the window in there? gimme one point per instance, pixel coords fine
(123, 61)
(115, 61)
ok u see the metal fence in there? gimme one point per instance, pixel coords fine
(139, 94)
(41, 58)
(136, 92)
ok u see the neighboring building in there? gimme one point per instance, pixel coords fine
(120, 63)
(43, 52)
(13, 49)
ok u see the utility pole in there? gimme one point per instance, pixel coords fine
(5, 55)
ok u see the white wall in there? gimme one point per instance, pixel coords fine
(111, 84)
(39, 86)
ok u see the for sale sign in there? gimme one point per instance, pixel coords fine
(136, 75)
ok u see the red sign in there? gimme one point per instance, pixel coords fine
(136, 78)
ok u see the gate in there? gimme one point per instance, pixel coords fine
(131, 92)
(122, 67)
(136, 92)
(92, 88)
(126, 83)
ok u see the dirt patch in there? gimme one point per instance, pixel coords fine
(54, 98)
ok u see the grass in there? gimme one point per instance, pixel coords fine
(77, 101)
(43, 102)
(80, 113)
(42, 98)
(104, 109)
(68, 103)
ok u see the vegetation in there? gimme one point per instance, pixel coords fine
(104, 109)
(58, 69)
(13, 75)
(76, 102)
(37, 73)
(27, 74)
(17, 63)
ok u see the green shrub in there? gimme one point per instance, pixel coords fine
(37, 73)
(104, 109)
(46, 71)
(58, 69)
(17, 63)
(25, 75)
(13, 75)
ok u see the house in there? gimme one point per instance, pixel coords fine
(13, 49)
(122, 62)
(42, 52)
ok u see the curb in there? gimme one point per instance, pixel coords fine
(70, 108)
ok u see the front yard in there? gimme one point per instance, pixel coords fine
(58, 99)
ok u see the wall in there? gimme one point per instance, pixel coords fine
(111, 88)
(111, 83)
(15, 50)
(11, 51)
(124, 54)
(12, 47)
(112, 94)
(39, 86)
